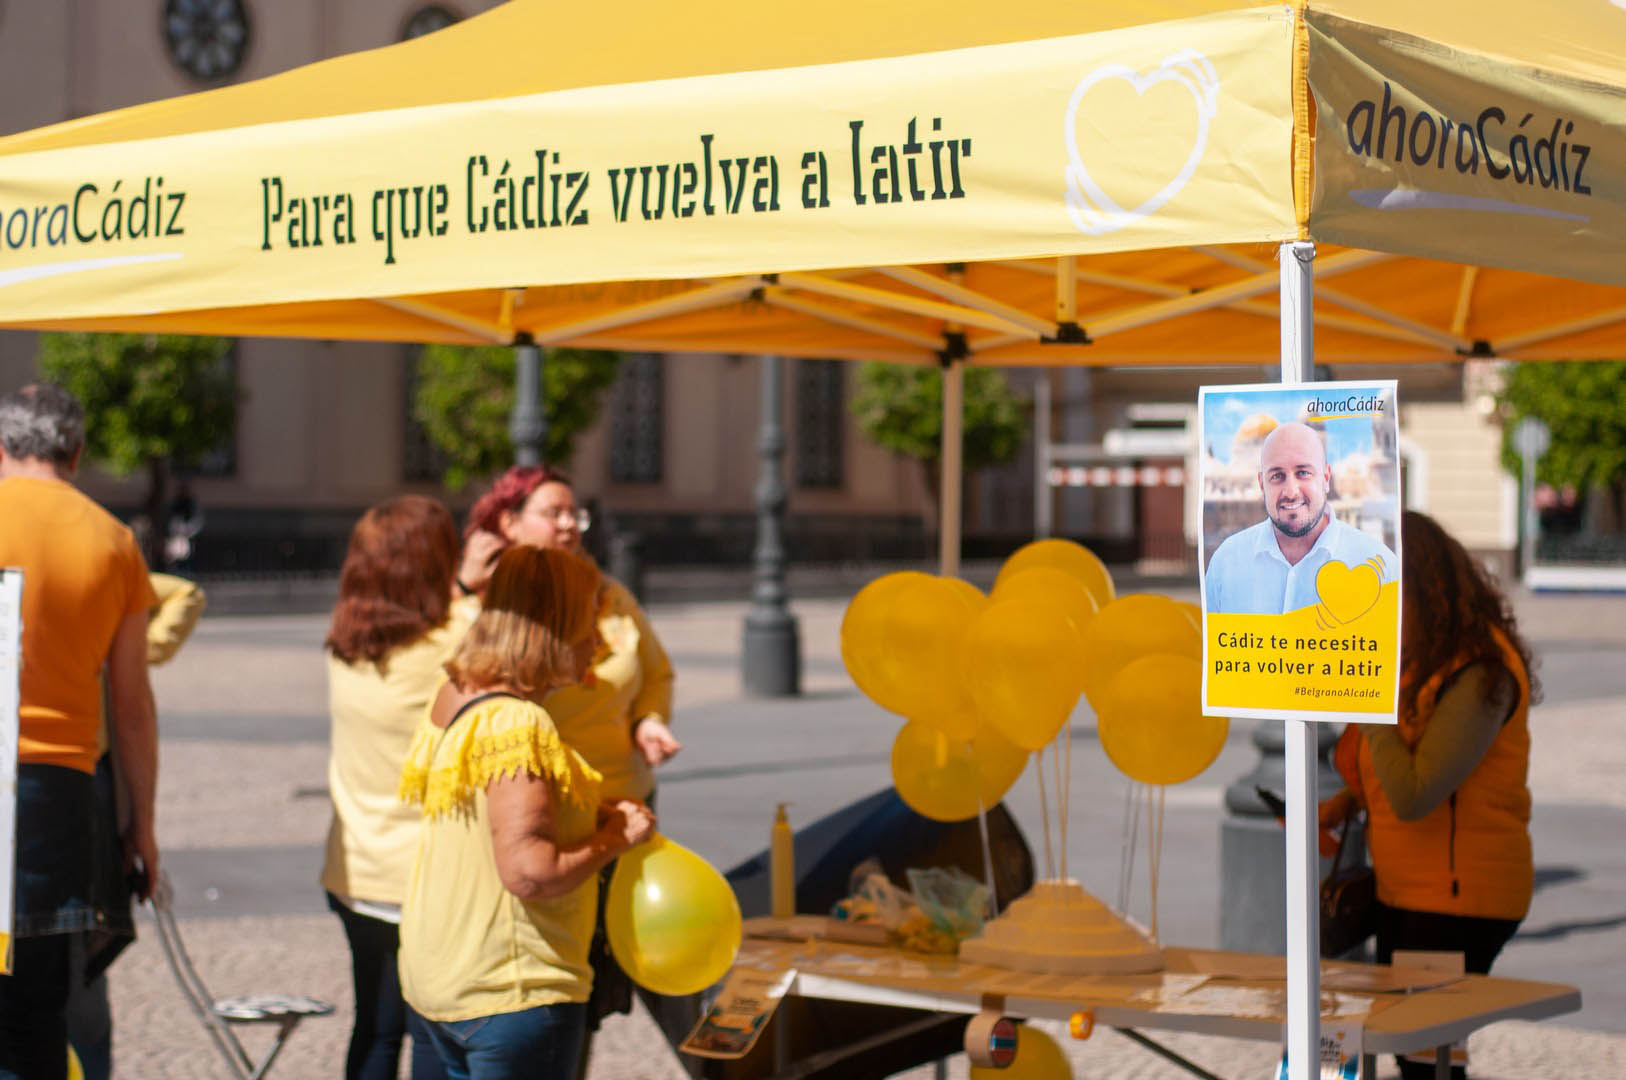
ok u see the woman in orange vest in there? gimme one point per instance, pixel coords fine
(1444, 789)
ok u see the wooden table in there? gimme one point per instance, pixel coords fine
(1200, 991)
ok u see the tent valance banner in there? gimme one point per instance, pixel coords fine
(1300, 561)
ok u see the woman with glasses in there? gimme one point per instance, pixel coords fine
(617, 719)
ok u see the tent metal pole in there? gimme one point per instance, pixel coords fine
(952, 465)
(1297, 261)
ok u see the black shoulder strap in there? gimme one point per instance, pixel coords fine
(476, 700)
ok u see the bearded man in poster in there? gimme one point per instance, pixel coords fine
(1270, 568)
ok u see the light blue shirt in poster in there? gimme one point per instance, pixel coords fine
(1249, 575)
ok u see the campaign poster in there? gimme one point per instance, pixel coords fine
(1300, 559)
(11, 651)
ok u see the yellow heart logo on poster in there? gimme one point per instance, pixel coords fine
(1347, 592)
(1135, 138)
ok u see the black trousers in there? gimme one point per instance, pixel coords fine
(1479, 941)
(33, 1031)
(382, 1017)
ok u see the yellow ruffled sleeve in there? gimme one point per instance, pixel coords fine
(446, 769)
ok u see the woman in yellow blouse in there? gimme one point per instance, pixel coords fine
(393, 628)
(503, 895)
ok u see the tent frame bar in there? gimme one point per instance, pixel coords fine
(1557, 330)
(931, 309)
(959, 294)
(778, 296)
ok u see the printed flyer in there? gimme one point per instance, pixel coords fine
(1300, 560)
(747, 1002)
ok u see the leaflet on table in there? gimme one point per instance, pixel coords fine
(731, 1026)
(1300, 551)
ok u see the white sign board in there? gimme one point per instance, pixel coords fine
(11, 653)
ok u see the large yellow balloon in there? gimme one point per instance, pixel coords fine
(919, 659)
(672, 920)
(863, 637)
(1045, 586)
(1152, 724)
(1037, 1058)
(1131, 627)
(942, 778)
(1021, 663)
(1074, 559)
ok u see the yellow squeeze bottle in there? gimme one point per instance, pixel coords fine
(782, 866)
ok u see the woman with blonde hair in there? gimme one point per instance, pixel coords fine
(502, 899)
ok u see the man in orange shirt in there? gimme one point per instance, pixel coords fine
(85, 602)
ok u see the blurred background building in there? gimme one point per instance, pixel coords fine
(326, 428)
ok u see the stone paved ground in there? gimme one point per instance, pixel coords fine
(243, 812)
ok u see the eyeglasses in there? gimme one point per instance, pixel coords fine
(565, 515)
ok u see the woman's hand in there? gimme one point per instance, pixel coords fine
(655, 741)
(480, 554)
(626, 823)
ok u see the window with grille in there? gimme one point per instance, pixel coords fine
(638, 420)
(421, 460)
(821, 409)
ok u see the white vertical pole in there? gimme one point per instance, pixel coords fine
(948, 522)
(1303, 908)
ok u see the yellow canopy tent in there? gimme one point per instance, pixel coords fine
(1040, 183)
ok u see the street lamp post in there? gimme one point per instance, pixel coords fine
(528, 424)
(772, 647)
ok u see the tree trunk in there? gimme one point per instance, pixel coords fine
(157, 511)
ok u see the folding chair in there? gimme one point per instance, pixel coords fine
(218, 1017)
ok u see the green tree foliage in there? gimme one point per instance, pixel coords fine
(152, 401)
(1583, 404)
(901, 408)
(465, 396)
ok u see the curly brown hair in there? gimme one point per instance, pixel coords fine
(1454, 604)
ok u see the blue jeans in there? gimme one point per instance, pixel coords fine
(536, 1044)
(382, 1017)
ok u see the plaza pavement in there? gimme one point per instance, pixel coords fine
(243, 813)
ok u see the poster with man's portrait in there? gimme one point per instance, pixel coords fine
(1300, 556)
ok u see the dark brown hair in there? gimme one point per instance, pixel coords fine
(1454, 604)
(396, 584)
(540, 603)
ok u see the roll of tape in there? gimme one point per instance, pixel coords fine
(990, 1037)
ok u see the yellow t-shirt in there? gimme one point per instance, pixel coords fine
(82, 575)
(469, 947)
(375, 711)
(633, 681)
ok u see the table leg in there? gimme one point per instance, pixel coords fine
(1168, 1055)
(1369, 1067)
(940, 1069)
(1442, 1062)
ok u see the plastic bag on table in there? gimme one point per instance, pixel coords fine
(954, 901)
(874, 899)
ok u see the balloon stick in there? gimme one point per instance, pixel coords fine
(1127, 844)
(1044, 816)
(987, 858)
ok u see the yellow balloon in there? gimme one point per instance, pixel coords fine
(973, 595)
(1128, 628)
(672, 919)
(1152, 725)
(1037, 1058)
(957, 725)
(1193, 612)
(1020, 662)
(942, 778)
(1064, 555)
(919, 659)
(75, 1070)
(1047, 586)
(863, 637)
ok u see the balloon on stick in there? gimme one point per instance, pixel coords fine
(1151, 722)
(943, 778)
(1020, 662)
(1070, 558)
(924, 621)
(1047, 586)
(863, 637)
(1128, 628)
(672, 919)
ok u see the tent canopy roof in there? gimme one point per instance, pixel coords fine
(1192, 280)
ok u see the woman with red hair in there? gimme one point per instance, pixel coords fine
(395, 625)
(617, 719)
(1444, 789)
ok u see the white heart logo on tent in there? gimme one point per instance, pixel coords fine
(1090, 207)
